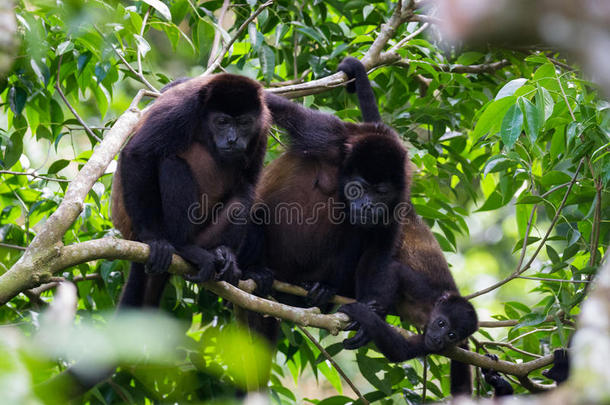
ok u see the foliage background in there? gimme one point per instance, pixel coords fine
(505, 157)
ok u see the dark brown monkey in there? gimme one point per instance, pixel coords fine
(185, 180)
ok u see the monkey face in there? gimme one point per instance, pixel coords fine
(452, 320)
(440, 334)
(368, 204)
(232, 134)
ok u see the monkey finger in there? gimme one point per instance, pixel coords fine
(320, 294)
(358, 340)
(205, 273)
(353, 325)
(263, 278)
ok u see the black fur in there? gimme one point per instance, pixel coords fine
(561, 366)
(359, 80)
(498, 383)
(158, 185)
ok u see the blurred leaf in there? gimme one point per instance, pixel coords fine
(160, 7)
(511, 126)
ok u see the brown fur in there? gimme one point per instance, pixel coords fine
(212, 179)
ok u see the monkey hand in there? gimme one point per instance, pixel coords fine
(351, 67)
(492, 377)
(561, 367)
(359, 314)
(160, 256)
(263, 277)
(320, 294)
(487, 370)
(226, 265)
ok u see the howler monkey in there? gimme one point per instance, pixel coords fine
(427, 297)
(185, 180)
(425, 292)
(326, 213)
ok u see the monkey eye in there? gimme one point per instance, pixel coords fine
(441, 323)
(383, 189)
(222, 121)
(452, 336)
(244, 121)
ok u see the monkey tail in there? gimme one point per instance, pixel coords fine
(460, 376)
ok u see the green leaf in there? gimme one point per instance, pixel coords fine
(367, 10)
(532, 119)
(555, 177)
(552, 253)
(336, 400)
(544, 104)
(58, 165)
(369, 368)
(531, 319)
(494, 201)
(17, 98)
(13, 150)
(313, 34)
(64, 47)
(509, 88)
(512, 125)
(529, 199)
(143, 45)
(267, 58)
(160, 7)
(490, 119)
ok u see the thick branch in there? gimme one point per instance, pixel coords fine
(112, 248)
(28, 272)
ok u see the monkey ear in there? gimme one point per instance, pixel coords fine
(203, 94)
(349, 146)
(445, 297)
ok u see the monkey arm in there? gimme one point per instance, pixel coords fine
(376, 281)
(312, 132)
(389, 341)
(354, 69)
(140, 189)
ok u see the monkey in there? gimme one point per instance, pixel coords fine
(425, 292)
(344, 181)
(498, 383)
(427, 297)
(185, 180)
(326, 155)
(184, 184)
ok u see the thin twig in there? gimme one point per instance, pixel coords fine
(558, 280)
(144, 20)
(511, 347)
(132, 70)
(443, 67)
(228, 45)
(409, 37)
(63, 97)
(217, 34)
(542, 242)
(531, 332)
(10, 246)
(32, 174)
(512, 322)
(334, 363)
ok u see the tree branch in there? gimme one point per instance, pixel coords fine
(212, 66)
(63, 97)
(32, 174)
(542, 242)
(334, 364)
(119, 249)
